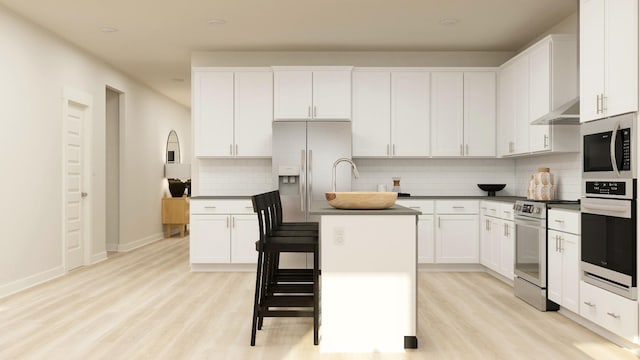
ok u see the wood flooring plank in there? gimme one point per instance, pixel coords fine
(145, 304)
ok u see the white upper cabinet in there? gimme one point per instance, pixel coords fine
(608, 58)
(390, 113)
(535, 83)
(304, 94)
(213, 113)
(371, 113)
(409, 113)
(447, 114)
(232, 112)
(463, 113)
(480, 113)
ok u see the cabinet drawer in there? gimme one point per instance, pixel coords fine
(426, 206)
(499, 209)
(206, 206)
(564, 220)
(611, 311)
(457, 206)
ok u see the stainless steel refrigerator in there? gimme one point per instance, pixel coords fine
(302, 161)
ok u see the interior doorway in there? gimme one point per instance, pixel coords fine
(76, 157)
(113, 110)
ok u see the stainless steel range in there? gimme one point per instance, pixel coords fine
(530, 284)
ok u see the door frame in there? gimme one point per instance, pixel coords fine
(85, 100)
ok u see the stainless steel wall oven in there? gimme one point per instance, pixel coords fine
(608, 207)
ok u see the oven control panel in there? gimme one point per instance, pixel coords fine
(606, 187)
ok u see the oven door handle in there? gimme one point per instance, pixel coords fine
(612, 148)
(529, 222)
(606, 207)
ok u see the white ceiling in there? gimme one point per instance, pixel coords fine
(156, 37)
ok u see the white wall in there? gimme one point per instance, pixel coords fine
(36, 67)
(236, 177)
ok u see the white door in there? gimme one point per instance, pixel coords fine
(292, 94)
(506, 110)
(480, 113)
(571, 272)
(554, 266)
(332, 95)
(521, 119)
(591, 58)
(244, 234)
(253, 113)
(457, 239)
(210, 239)
(371, 113)
(410, 113)
(426, 241)
(507, 250)
(74, 190)
(447, 113)
(213, 118)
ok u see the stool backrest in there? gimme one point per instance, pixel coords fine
(262, 209)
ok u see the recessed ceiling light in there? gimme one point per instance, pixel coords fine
(108, 29)
(216, 21)
(449, 21)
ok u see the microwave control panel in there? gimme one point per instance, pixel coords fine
(606, 187)
(625, 135)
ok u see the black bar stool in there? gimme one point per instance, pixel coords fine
(283, 292)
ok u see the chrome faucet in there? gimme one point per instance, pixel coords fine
(333, 172)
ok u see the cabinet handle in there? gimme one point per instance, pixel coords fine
(561, 243)
(511, 146)
(604, 103)
(613, 315)
(589, 304)
(227, 222)
(505, 230)
(546, 140)
(388, 150)
(458, 207)
(233, 222)
(598, 104)
(230, 149)
(236, 149)
(309, 111)
(209, 207)
(315, 112)
(461, 150)
(559, 221)
(557, 246)
(394, 149)
(249, 207)
(466, 149)
(438, 221)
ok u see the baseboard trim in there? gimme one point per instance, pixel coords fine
(100, 257)
(451, 268)
(140, 243)
(31, 281)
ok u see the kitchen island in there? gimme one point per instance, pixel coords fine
(368, 287)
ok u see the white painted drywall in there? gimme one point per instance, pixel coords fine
(36, 66)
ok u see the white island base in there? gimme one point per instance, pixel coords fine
(368, 289)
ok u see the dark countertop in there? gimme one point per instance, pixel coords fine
(488, 198)
(221, 197)
(573, 207)
(325, 209)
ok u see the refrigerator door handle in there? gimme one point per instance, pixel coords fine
(301, 181)
(310, 177)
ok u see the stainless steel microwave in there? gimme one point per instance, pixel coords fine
(608, 157)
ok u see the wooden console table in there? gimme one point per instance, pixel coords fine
(175, 211)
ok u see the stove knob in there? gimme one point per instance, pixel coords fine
(537, 210)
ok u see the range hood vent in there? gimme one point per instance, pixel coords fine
(566, 114)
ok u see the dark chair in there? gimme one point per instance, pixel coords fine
(283, 292)
(274, 197)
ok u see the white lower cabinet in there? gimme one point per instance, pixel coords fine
(426, 240)
(497, 237)
(563, 258)
(223, 232)
(613, 312)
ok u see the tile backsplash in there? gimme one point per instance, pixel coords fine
(427, 177)
(234, 176)
(566, 169)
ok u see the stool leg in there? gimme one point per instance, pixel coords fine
(316, 298)
(254, 325)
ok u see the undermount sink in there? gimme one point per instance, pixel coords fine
(361, 200)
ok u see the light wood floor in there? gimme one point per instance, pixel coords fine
(147, 305)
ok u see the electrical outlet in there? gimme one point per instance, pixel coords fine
(338, 236)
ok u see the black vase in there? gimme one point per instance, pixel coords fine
(176, 187)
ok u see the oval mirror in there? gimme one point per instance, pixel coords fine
(173, 148)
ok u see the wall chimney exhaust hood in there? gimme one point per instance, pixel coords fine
(565, 114)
